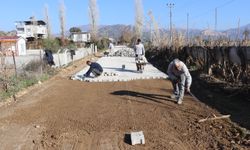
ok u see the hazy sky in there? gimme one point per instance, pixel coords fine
(201, 12)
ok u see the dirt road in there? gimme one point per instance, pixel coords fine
(66, 114)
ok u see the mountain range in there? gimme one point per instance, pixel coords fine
(115, 31)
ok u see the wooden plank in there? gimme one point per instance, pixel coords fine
(214, 118)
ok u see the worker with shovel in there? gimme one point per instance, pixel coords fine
(181, 79)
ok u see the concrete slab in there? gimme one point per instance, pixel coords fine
(120, 69)
(137, 138)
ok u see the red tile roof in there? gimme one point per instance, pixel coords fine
(8, 38)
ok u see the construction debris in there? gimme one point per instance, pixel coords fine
(125, 52)
(110, 74)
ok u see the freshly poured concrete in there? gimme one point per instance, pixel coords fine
(113, 71)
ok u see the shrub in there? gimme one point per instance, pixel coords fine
(103, 43)
(51, 44)
(33, 66)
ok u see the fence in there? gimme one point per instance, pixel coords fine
(60, 59)
(231, 63)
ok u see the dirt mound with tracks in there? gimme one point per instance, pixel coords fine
(67, 114)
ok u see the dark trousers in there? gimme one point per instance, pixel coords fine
(96, 72)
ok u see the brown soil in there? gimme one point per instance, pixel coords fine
(226, 98)
(66, 114)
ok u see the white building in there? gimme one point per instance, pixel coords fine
(10, 45)
(33, 29)
(80, 37)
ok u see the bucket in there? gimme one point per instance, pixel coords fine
(123, 67)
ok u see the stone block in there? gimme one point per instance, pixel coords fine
(137, 138)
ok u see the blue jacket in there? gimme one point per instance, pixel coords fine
(94, 65)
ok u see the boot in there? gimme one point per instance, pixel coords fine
(173, 96)
(179, 101)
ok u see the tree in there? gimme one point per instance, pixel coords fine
(246, 34)
(51, 44)
(126, 35)
(154, 33)
(75, 30)
(34, 27)
(138, 18)
(93, 16)
(48, 26)
(103, 43)
(62, 22)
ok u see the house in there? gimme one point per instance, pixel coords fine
(80, 37)
(32, 29)
(12, 44)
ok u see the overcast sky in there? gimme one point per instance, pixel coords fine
(201, 12)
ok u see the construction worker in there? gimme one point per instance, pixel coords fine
(139, 54)
(48, 57)
(95, 68)
(181, 79)
(111, 48)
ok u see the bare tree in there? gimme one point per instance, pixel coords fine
(178, 40)
(34, 26)
(165, 40)
(126, 35)
(138, 18)
(62, 21)
(246, 34)
(93, 16)
(155, 33)
(48, 26)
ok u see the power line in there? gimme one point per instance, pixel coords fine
(225, 4)
(210, 10)
(190, 2)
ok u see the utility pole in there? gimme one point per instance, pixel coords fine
(215, 25)
(187, 29)
(238, 33)
(170, 6)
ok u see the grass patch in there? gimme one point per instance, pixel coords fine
(16, 84)
(30, 75)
